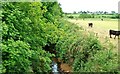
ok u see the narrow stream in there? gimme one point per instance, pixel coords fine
(60, 68)
(54, 67)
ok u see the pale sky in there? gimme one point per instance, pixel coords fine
(89, 5)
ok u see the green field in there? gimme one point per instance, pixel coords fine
(106, 24)
(100, 27)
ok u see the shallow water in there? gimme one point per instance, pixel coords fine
(58, 66)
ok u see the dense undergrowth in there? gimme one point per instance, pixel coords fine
(27, 28)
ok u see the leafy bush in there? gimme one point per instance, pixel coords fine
(25, 33)
(102, 61)
(71, 16)
(16, 56)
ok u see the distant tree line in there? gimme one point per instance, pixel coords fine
(97, 14)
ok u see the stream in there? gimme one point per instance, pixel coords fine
(59, 67)
(55, 68)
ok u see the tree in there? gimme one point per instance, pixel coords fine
(113, 12)
(74, 12)
(25, 33)
(105, 12)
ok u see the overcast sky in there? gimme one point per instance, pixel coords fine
(89, 5)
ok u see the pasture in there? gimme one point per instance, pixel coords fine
(100, 29)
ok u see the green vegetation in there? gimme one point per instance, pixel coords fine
(101, 61)
(93, 15)
(27, 28)
(98, 61)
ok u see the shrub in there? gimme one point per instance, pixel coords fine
(25, 32)
(16, 56)
(71, 16)
(102, 61)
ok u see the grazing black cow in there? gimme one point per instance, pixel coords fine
(90, 24)
(113, 32)
(101, 19)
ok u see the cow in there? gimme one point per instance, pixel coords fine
(113, 32)
(90, 24)
(101, 19)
